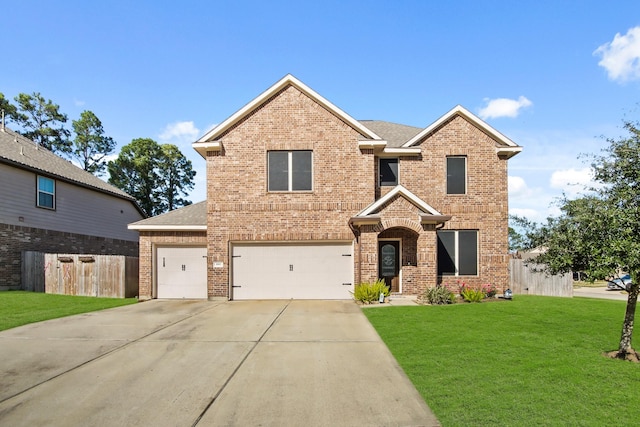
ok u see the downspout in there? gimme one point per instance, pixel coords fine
(356, 232)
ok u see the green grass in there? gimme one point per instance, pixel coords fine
(19, 308)
(531, 361)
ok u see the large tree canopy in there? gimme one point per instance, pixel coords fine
(42, 122)
(156, 175)
(90, 145)
(599, 233)
(176, 178)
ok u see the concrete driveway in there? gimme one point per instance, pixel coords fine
(183, 363)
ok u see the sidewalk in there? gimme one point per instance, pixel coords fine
(602, 292)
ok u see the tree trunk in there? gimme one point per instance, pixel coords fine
(627, 326)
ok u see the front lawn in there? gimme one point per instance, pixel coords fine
(530, 361)
(19, 308)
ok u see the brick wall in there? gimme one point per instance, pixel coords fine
(240, 207)
(148, 240)
(344, 182)
(484, 207)
(15, 239)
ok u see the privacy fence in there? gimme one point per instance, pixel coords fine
(528, 278)
(114, 276)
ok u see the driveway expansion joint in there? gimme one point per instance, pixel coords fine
(237, 368)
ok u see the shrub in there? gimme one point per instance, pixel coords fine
(439, 295)
(472, 295)
(489, 290)
(367, 293)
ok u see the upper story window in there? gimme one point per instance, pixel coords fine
(46, 197)
(290, 170)
(457, 175)
(457, 252)
(388, 172)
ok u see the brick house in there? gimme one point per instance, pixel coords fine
(303, 201)
(47, 204)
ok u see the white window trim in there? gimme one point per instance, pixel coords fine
(38, 191)
(456, 263)
(290, 174)
(380, 175)
(466, 174)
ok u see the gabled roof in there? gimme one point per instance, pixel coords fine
(188, 218)
(369, 215)
(23, 153)
(505, 146)
(398, 190)
(208, 141)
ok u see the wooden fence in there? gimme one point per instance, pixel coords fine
(527, 278)
(114, 276)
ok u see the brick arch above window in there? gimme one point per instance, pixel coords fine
(401, 223)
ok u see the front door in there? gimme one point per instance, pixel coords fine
(389, 263)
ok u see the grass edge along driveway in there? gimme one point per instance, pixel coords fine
(19, 308)
(530, 361)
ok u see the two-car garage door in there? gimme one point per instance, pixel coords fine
(299, 271)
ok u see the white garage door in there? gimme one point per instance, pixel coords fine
(299, 271)
(182, 272)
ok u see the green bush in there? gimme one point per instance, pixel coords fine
(367, 293)
(439, 295)
(472, 295)
(489, 290)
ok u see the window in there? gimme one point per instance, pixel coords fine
(289, 170)
(46, 193)
(388, 172)
(457, 253)
(456, 175)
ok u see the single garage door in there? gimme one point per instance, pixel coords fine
(299, 271)
(182, 272)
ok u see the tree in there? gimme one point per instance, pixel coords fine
(91, 146)
(134, 172)
(6, 106)
(520, 232)
(156, 175)
(600, 233)
(176, 178)
(42, 122)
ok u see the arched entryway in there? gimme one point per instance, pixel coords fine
(397, 249)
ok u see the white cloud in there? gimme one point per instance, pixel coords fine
(503, 107)
(179, 132)
(110, 157)
(518, 187)
(571, 181)
(530, 214)
(78, 103)
(621, 57)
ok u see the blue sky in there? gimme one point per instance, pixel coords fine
(554, 76)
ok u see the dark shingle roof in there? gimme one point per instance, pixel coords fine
(395, 134)
(192, 215)
(24, 153)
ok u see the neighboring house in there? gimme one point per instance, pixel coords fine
(49, 205)
(303, 201)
